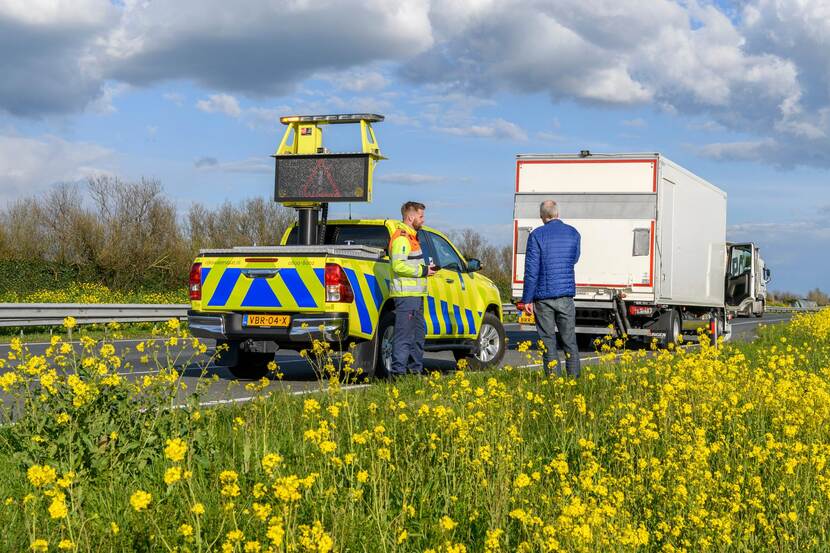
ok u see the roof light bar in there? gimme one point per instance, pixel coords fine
(332, 119)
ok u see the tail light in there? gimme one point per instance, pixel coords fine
(338, 289)
(640, 310)
(195, 284)
(520, 306)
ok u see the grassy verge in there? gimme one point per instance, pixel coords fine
(707, 450)
(109, 331)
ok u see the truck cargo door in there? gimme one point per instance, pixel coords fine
(739, 274)
(271, 284)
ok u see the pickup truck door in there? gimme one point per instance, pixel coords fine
(448, 309)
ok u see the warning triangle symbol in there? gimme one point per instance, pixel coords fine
(315, 187)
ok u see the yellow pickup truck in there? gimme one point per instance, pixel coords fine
(260, 299)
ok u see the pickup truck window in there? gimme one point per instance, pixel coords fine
(445, 254)
(375, 236)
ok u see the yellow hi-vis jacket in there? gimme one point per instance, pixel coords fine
(409, 272)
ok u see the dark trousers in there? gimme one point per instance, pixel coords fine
(552, 314)
(408, 341)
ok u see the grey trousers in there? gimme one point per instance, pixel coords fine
(552, 314)
(408, 340)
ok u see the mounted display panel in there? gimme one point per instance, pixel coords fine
(322, 178)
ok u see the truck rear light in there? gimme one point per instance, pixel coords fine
(195, 282)
(639, 310)
(338, 289)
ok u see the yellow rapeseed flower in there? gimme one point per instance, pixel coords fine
(175, 450)
(172, 475)
(41, 475)
(186, 530)
(57, 509)
(66, 545)
(447, 524)
(39, 545)
(197, 509)
(69, 322)
(140, 500)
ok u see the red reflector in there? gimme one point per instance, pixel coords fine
(261, 259)
(195, 282)
(520, 306)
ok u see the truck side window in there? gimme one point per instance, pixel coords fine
(447, 258)
(641, 241)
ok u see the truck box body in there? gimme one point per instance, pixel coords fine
(651, 230)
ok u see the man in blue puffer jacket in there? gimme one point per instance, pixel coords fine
(550, 287)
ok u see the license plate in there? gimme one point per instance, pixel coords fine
(266, 320)
(526, 319)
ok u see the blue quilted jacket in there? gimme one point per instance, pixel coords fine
(552, 252)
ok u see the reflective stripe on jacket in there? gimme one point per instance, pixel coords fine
(408, 268)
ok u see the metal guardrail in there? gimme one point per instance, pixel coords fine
(50, 314)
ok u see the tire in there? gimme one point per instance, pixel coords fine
(383, 345)
(672, 328)
(760, 313)
(367, 354)
(492, 343)
(719, 329)
(251, 365)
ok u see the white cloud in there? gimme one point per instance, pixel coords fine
(254, 165)
(749, 150)
(174, 97)
(220, 103)
(49, 54)
(497, 128)
(638, 122)
(409, 178)
(29, 165)
(261, 48)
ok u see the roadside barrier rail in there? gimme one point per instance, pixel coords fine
(51, 314)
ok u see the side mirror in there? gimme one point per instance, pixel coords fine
(473, 265)
(767, 275)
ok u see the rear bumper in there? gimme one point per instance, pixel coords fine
(303, 328)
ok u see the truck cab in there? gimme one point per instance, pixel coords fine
(257, 300)
(746, 280)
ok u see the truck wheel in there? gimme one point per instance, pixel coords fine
(672, 328)
(760, 312)
(492, 343)
(251, 365)
(718, 330)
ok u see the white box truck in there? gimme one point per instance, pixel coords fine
(654, 255)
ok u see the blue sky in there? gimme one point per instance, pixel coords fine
(190, 93)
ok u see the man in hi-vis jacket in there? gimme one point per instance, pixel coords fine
(408, 288)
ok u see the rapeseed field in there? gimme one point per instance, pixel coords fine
(688, 449)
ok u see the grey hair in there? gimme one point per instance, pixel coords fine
(548, 210)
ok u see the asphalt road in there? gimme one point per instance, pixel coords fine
(299, 377)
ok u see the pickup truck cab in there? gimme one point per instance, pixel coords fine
(260, 299)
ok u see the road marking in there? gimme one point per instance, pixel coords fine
(246, 399)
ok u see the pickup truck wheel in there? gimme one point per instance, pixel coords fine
(491, 345)
(251, 365)
(375, 356)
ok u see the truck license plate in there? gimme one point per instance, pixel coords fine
(266, 320)
(526, 319)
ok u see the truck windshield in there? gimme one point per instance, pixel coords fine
(741, 260)
(375, 236)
